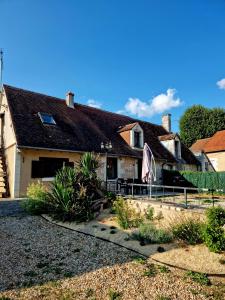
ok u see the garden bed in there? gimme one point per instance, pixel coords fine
(105, 227)
(176, 254)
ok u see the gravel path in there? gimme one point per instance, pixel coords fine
(11, 208)
(40, 260)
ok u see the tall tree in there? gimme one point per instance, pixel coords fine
(199, 122)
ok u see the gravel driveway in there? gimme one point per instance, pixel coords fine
(39, 260)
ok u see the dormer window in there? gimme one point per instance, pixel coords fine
(137, 139)
(133, 135)
(47, 119)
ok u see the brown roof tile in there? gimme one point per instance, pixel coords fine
(127, 127)
(199, 145)
(166, 137)
(216, 142)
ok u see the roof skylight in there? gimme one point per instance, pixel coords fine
(47, 118)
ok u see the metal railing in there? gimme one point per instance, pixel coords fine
(186, 197)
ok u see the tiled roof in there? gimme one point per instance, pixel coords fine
(216, 142)
(167, 137)
(80, 129)
(199, 145)
(127, 127)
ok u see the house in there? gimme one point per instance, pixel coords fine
(40, 134)
(211, 152)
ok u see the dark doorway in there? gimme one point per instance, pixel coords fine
(111, 167)
(139, 168)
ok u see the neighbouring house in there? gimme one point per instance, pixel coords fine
(40, 134)
(211, 152)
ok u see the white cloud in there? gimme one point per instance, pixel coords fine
(94, 103)
(121, 112)
(221, 84)
(158, 104)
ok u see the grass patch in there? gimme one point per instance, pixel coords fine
(163, 269)
(162, 297)
(148, 233)
(89, 293)
(139, 260)
(151, 272)
(114, 295)
(200, 278)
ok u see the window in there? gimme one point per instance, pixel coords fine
(112, 168)
(48, 166)
(137, 139)
(206, 166)
(177, 144)
(47, 118)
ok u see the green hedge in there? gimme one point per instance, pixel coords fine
(208, 180)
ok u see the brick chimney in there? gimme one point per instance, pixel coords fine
(70, 99)
(166, 122)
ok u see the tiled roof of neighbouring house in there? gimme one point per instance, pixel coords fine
(216, 142)
(199, 145)
(80, 129)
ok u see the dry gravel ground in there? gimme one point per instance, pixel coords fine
(39, 260)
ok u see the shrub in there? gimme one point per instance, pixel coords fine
(149, 213)
(214, 238)
(189, 231)
(76, 192)
(213, 231)
(111, 197)
(36, 202)
(151, 271)
(216, 216)
(126, 215)
(149, 234)
(198, 277)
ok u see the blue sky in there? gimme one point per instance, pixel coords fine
(139, 57)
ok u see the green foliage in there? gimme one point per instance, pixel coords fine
(213, 231)
(114, 295)
(162, 297)
(149, 234)
(36, 202)
(88, 165)
(140, 260)
(149, 213)
(203, 180)
(214, 238)
(151, 272)
(163, 269)
(200, 278)
(189, 231)
(75, 192)
(110, 196)
(200, 122)
(127, 217)
(216, 216)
